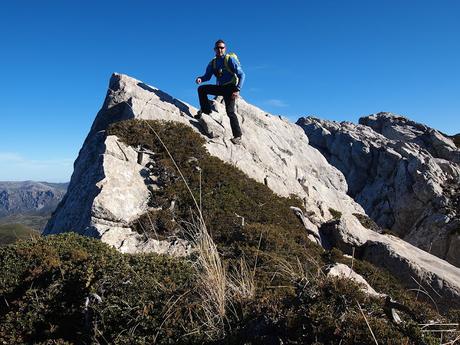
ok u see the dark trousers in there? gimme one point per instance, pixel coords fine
(225, 91)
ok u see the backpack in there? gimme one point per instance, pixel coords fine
(227, 67)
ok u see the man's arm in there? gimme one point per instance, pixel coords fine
(236, 67)
(206, 76)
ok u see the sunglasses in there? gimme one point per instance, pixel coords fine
(219, 47)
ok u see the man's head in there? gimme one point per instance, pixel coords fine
(219, 48)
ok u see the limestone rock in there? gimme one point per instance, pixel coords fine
(108, 189)
(404, 175)
(274, 151)
(402, 259)
(343, 271)
(106, 193)
(399, 128)
(110, 185)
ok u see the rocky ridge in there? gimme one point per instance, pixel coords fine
(30, 197)
(108, 189)
(404, 174)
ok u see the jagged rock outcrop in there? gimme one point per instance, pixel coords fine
(404, 174)
(402, 259)
(107, 192)
(30, 197)
(399, 128)
(109, 188)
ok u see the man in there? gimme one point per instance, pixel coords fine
(230, 79)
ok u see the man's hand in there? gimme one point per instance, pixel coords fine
(198, 80)
(235, 94)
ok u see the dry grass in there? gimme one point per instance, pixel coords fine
(212, 278)
(300, 272)
(242, 282)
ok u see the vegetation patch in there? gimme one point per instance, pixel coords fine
(10, 233)
(456, 139)
(336, 215)
(77, 289)
(367, 222)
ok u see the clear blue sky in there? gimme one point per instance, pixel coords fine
(338, 60)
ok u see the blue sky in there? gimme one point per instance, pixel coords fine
(338, 60)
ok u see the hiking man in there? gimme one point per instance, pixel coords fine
(230, 78)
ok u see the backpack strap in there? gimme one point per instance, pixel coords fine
(234, 80)
(227, 57)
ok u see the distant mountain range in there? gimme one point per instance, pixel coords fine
(29, 203)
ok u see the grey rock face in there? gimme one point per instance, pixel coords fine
(399, 128)
(407, 262)
(107, 192)
(275, 151)
(30, 197)
(404, 175)
(108, 189)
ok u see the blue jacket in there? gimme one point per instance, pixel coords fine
(226, 75)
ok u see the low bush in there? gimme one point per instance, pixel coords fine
(69, 288)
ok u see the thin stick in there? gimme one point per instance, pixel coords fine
(367, 323)
(352, 260)
(178, 169)
(257, 256)
(423, 290)
(152, 225)
(200, 192)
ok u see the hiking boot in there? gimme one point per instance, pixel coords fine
(198, 115)
(213, 106)
(236, 140)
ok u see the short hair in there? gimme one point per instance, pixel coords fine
(218, 41)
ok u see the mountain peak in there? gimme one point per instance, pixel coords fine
(118, 177)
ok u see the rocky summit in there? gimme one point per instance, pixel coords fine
(388, 169)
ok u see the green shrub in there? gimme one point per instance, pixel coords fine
(336, 215)
(456, 139)
(367, 222)
(76, 289)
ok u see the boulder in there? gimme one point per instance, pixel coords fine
(343, 271)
